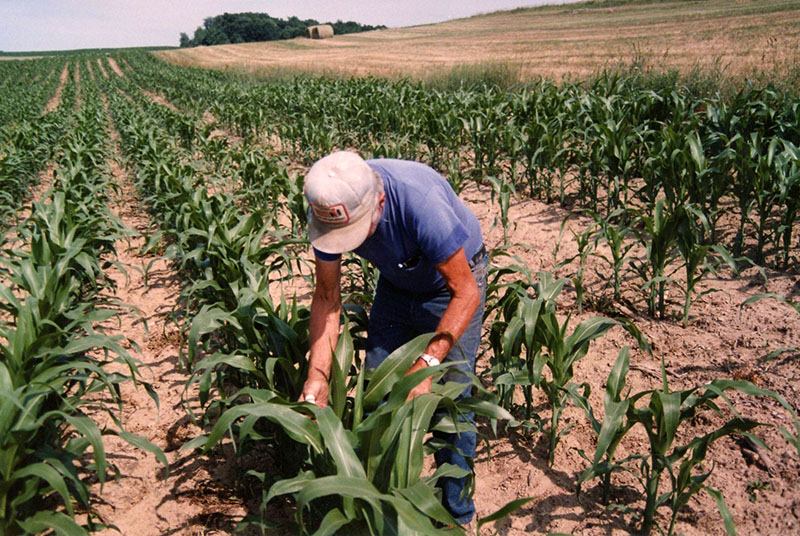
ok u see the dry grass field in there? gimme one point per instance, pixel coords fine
(732, 37)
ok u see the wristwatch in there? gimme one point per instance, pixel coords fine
(430, 360)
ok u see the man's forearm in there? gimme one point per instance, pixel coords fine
(464, 301)
(454, 323)
(324, 334)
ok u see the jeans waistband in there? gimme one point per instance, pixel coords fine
(478, 257)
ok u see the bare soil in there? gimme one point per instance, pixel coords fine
(102, 69)
(115, 66)
(55, 100)
(209, 494)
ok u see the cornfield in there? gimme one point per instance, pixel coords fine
(679, 191)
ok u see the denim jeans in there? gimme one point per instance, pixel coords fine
(398, 316)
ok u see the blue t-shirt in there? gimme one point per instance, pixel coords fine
(423, 223)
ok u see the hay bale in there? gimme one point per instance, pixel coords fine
(320, 31)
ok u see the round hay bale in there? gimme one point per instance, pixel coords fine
(320, 31)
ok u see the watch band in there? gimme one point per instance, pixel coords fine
(430, 360)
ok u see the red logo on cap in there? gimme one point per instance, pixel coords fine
(332, 215)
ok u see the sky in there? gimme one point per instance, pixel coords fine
(38, 25)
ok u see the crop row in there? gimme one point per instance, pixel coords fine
(243, 343)
(58, 369)
(28, 136)
(696, 181)
(26, 86)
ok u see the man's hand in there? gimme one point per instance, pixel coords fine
(316, 392)
(424, 386)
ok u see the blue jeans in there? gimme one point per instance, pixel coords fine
(398, 316)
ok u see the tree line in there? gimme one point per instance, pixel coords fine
(231, 28)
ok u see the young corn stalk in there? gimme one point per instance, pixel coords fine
(514, 327)
(365, 451)
(698, 260)
(585, 247)
(560, 354)
(661, 419)
(659, 235)
(756, 186)
(611, 431)
(505, 192)
(616, 238)
(535, 326)
(788, 179)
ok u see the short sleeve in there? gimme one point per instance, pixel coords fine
(439, 231)
(328, 257)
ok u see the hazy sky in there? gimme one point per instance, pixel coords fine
(72, 24)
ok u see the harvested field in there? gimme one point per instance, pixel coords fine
(574, 41)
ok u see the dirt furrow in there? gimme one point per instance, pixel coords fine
(146, 500)
(102, 69)
(55, 100)
(115, 66)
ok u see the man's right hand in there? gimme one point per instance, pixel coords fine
(316, 392)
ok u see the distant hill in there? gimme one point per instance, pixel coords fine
(234, 28)
(753, 39)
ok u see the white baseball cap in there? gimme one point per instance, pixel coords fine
(343, 193)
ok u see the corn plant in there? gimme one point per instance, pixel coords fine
(788, 186)
(539, 139)
(585, 245)
(659, 235)
(685, 174)
(505, 191)
(616, 238)
(610, 431)
(365, 450)
(562, 354)
(535, 326)
(661, 419)
(613, 143)
(455, 176)
(359, 280)
(258, 343)
(483, 127)
(516, 311)
(754, 164)
(697, 256)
